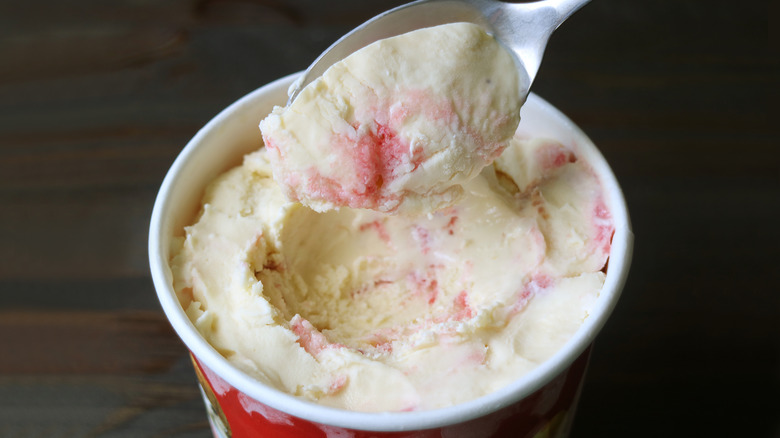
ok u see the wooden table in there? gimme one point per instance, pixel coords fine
(97, 98)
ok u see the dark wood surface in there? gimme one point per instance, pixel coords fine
(98, 97)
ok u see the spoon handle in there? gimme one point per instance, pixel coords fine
(566, 7)
(526, 27)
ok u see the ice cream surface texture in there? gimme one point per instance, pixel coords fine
(399, 125)
(361, 310)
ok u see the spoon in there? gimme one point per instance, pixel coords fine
(524, 28)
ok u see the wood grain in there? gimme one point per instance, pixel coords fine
(97, 99)
(81, 342)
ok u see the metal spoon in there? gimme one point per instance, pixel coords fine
(524, 28)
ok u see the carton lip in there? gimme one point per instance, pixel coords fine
(161, 230)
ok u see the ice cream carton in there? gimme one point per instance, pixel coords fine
(541, 403)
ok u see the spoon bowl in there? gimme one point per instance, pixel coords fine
(523, 28)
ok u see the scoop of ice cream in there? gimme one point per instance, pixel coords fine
(399, 125)
(367, 311)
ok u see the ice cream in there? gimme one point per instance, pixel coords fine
(366, 311)
(363, 310)
(399, 125)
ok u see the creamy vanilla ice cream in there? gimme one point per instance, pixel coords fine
(399, 125)
(361, 310)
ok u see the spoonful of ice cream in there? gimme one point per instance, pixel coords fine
(402, 111)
